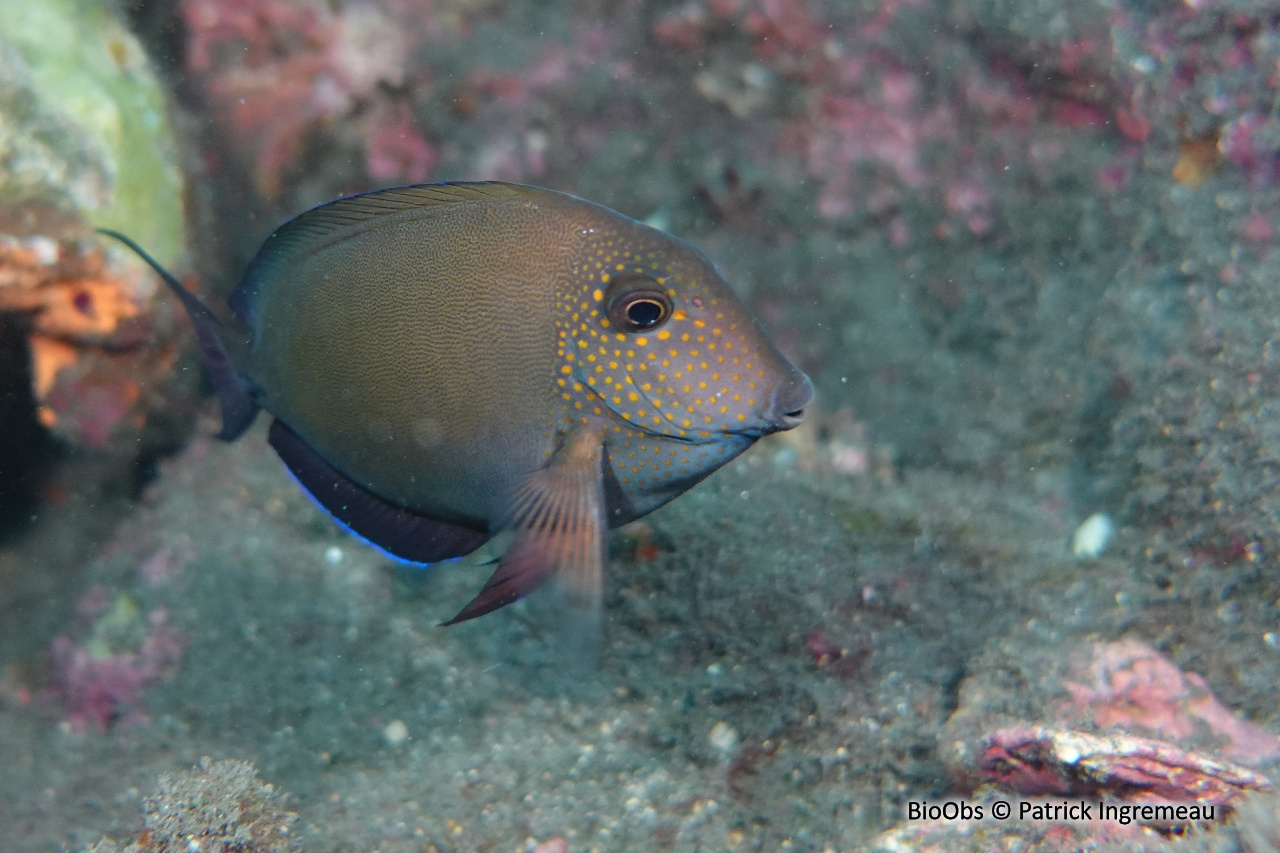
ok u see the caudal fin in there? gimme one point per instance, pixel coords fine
(238, 407)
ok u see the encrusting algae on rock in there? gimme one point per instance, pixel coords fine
(218, 807)
(84, 142)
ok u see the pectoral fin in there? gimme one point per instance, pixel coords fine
(558, 515)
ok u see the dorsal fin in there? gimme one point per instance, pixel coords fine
(338, 220)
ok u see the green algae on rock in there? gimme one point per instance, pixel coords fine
(84, 142)
(82, 122)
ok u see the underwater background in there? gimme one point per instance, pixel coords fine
(1023, 546)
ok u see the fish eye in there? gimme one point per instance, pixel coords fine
(636, 303)
(644, 312)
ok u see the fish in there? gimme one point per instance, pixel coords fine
(446, 362)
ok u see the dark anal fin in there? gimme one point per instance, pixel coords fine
(558, 516)
(238, 407)
(398, 531)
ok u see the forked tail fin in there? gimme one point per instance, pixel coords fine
(231, 389)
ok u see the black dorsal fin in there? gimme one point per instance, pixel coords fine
(338, 220)
(232, 391)
(400, 532)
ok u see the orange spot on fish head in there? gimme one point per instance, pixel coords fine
(672, 347)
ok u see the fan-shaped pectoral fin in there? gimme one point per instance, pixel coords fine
(558, 514)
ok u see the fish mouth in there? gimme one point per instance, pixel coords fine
(789, 420)
(778, 423)
(789, 400)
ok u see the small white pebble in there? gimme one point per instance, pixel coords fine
(1092, 536)
(1271, 639)
(333, 555)
(723, 738)
(396, 732)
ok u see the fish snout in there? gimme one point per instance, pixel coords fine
(790, 398)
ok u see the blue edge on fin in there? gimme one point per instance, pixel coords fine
(395, 558)
(401, 534)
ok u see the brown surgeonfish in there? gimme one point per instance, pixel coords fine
(444, 362)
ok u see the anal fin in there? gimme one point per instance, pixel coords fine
(400, 532)
(558, 514)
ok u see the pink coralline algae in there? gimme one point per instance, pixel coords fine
(294, 85)
(102, 679)
(1203, 77)
(841, 131)
(972, 202)
(785, 29)
(513, 107)
(865, 121)
(1114, 720)
(276, 70)
(1038, 761)
(1251, 142)
(1256, 229)
(863, 108)
(398, 152)
(92, 402)
(554, 845)
(684, 29)
(1128, 684)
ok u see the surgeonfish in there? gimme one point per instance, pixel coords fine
(447, 361)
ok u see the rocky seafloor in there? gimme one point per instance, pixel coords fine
(782, 653)
(1027, 253)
